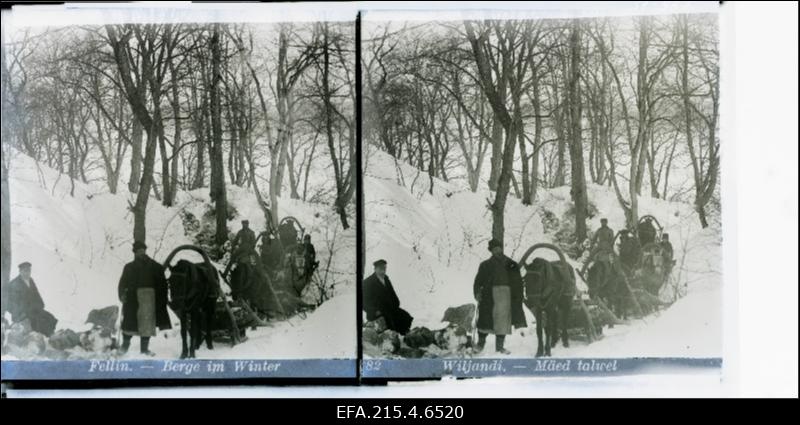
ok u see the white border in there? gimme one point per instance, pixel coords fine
(760, 327)
(478, 10)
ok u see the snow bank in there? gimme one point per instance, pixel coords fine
(79, 244)
(434, 243)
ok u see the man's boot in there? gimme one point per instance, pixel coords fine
(126, 344)
(481, 342)
(144, 346)
(499, 341)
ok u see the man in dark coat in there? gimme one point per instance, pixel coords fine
(310, 256)
(25, 302)
(602, 246)
(667, 252)
(603, 241)
(244, 241)
(143, 292)
(498, 290)
(380, 300)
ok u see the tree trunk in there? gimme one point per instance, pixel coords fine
(218, 191)
(136, 155)
(497, 154)
(578, 177)
(5, 207)
(526, 183)
(140, 207)
(537, 135)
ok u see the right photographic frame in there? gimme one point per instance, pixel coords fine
(541, 195)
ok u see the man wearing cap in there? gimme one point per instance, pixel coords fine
(603, 241)
(380, 300)
(244, 241)
(143, 292)
(25, 302)
(498, 290)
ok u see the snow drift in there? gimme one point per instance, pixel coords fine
(79, 244)
(434, 243)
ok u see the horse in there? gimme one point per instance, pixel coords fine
(549, 289)
(193, 292)
(607, 281)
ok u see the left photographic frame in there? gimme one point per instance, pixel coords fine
(178, 191)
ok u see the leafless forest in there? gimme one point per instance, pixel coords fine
(152, 109)
(519, 105)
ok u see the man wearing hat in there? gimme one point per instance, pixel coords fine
(603, 241)
(380, 300)
(143, 292)
(25, 302)
(244, 241)
(498, 290)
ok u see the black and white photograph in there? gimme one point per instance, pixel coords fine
(539, 187)
(391, 210)
(177, 187)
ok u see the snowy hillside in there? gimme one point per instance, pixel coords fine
(79, 244)
(434, 243)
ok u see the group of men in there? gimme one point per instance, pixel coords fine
(630, 246)
(271, 250)
(142, 290)
(498, 287)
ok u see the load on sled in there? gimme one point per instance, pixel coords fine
(269, 278)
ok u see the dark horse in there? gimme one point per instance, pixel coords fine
(549, 289)
(193, 293)
(607, 281)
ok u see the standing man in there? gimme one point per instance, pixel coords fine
(380, 300)
(667, 252)
(602, 247)
(603, 241)
(498, 290)
(244, 241)
(310, 256)
(25, 302)
(143, 292)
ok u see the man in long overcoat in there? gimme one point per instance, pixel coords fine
(143, 292)
(498, 290)
(25, 302)
(380, 300)
(244, 242)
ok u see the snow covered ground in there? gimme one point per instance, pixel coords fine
(434, 243)
(79, 244)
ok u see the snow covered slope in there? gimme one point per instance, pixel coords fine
(79, 244)
(434, 243)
